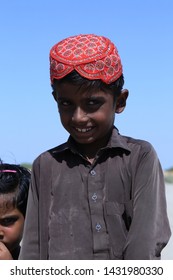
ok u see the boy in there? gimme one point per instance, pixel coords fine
(100, 195)
(14, 185)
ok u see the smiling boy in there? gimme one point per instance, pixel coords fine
(88, 114)
(100, 195)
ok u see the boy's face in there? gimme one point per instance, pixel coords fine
(87, 116)
(11, 223)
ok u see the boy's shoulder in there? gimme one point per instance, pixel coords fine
(144, 144)
(51, 153)
(129, 143)
(133, 148)
(140, 145)
(140, 151)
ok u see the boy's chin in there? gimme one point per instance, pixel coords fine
(84, 141)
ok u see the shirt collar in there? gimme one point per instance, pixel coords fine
(116, 141)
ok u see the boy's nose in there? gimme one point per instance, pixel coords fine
(79, 115)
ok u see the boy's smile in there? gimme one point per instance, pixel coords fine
(87, 116)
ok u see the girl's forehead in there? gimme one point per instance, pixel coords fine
(6, 203)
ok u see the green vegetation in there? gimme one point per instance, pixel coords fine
(170, 169)
(169, 175)
(27, 165)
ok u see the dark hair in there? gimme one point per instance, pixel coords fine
(15, 180)
(75, 78)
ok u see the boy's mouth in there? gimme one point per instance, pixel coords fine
(83, 130)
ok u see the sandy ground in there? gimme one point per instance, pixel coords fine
(167, 253)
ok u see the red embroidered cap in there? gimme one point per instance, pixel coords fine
(93, 57)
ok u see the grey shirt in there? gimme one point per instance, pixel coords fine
(114, 208)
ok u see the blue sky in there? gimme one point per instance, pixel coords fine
(142, 32)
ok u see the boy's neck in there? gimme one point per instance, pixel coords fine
(89, 151)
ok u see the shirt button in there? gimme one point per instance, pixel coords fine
(93, 173)
(94, 197)
(98, 227)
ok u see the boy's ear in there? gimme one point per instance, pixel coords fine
(121, 101)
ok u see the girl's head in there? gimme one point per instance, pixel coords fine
(14, 185)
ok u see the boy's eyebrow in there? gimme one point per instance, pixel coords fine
(94, 97)
(62, 98)
(89, 96)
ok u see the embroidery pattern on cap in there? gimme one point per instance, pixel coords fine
(93, 57)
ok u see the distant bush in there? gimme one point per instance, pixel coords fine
(169, 179)
(169, 175)
(170, 169)
(27, 165)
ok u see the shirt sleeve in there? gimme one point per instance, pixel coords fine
(149, 231)
(30, 241)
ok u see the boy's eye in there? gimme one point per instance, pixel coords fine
(6, 222)
(94, 103)
(64, 103)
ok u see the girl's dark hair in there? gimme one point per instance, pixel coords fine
(15, 180)
(76, 79)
